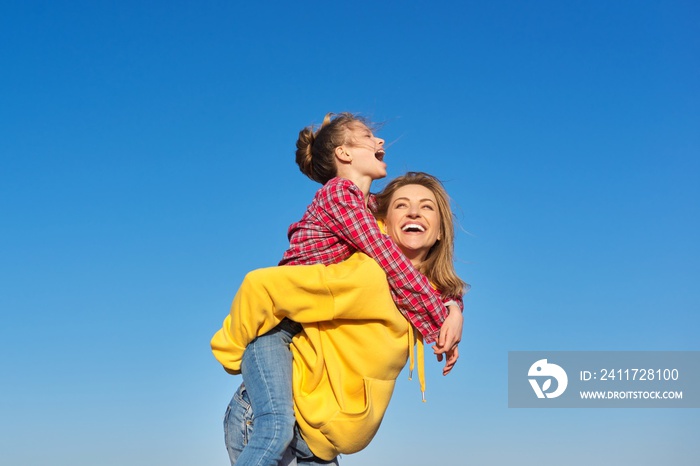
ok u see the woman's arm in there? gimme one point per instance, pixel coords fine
(352, 290)
(264, 298)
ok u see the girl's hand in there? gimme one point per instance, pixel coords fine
(451, 330)
(449, 338)
(452, 356)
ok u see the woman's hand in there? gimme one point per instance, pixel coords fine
(449, 338)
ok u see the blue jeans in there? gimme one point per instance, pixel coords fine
(239, 426)
(267, 374)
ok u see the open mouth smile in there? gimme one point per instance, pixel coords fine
(413, 228)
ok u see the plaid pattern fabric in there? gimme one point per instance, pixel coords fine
(336, 224)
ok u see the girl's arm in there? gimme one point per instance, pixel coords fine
(342, 209)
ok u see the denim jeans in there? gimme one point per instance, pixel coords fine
(267, 374)
(239, 426)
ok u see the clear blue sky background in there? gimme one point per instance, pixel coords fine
(147, 164)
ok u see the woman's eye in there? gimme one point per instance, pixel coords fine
(428, 207)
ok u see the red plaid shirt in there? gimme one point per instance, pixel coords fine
(337, 224)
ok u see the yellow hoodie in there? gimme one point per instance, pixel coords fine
(346, 360)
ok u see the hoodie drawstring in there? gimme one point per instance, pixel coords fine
(417, 341)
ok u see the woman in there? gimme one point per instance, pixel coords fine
(354, 338)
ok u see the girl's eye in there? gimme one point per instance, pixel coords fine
(428, 207)
(400, 205)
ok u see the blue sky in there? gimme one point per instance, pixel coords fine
(147, 164)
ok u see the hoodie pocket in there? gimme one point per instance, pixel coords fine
(350, 432)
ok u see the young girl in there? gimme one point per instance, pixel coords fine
(345, 157)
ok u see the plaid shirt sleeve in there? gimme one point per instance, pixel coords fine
(342, 210)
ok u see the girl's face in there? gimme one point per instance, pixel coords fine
(366, 151)
(413, 221)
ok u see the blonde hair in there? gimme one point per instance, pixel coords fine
(315, 153)
(438, 266)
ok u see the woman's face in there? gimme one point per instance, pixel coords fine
(367, 151)
(413, 221)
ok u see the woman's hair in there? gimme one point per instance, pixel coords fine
(438, 265)
(316, 149)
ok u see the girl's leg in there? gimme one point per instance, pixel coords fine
(267, 373)
(238, 428)
(238, 423)
(303, 454)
